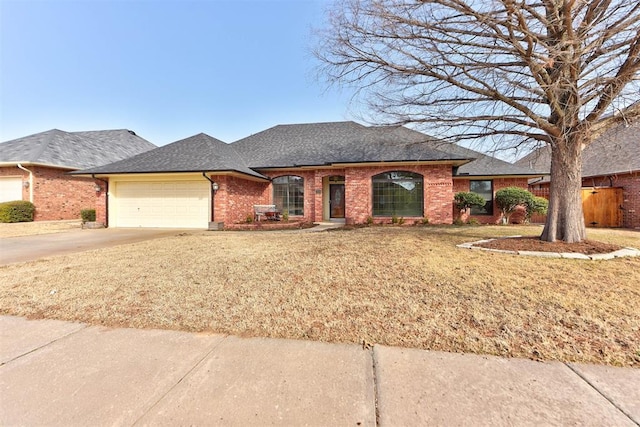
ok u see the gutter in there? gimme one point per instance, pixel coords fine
(30, 181)
(106, 198)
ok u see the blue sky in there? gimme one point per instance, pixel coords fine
(165, 69)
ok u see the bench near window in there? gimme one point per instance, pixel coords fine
(268, 212)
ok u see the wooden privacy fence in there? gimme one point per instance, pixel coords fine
(602, 206)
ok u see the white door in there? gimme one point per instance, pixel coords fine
(177, 204)
(10, 188)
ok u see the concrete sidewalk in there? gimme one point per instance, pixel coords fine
(60, 373)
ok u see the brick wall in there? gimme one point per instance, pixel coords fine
(498, 183)
(235, 198)
(438, 192)
(56, 195)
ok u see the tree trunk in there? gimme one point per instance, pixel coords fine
(565, 220)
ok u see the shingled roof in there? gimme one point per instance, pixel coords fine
(481, 166)
(617, 151)
(73, 150)
(316, 144)
(198, 153)
(312, 144)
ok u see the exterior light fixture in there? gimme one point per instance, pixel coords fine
(215, 186)
(25, 184)
(97, 188)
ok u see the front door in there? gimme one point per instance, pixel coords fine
(336, 200)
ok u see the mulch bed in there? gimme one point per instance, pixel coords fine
(587, 247)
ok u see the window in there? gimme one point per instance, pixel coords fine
(288, 194)
(398, 193)
(485, 189)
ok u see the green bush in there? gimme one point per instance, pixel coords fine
(536, 205)
(473, 221)
(467, 199)
(17, 211)
(425, 221)
(88, 215)
(509, 198)
(369, 220)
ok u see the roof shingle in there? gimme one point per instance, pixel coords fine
(198, 153)
(74, 150)
(617, 151)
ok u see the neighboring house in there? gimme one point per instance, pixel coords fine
(36, 168)
(340, 171)
(610, 161)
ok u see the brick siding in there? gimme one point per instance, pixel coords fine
(56, 195)
(358, 191)
(498, 183)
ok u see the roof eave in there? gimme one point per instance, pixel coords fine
(340, 165)
(494, 176)
(228, 172)
(46, 165)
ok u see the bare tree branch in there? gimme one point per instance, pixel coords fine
(552, 71)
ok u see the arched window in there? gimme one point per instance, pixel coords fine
(288, 194)
(398, 193)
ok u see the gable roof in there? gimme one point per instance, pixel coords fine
(198, 153)
(317, 144)
(617, 151)
(73, 150)
(482, 165)
(313, 145)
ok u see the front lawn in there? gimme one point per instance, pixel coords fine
(401, 286)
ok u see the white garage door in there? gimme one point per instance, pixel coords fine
(180, 204)
(10, 189)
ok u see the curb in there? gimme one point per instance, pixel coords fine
(621, 253)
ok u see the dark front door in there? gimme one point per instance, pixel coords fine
(336, 200)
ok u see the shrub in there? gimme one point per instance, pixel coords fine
(88, 215)
(17, 211)
(473, 221)
(536, 205)
(249, 218)
(369, 220)
(424, 221)
(509, 198)
(458, 221)
(285, 216)
(467, 199)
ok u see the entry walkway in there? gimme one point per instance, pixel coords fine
(71, 374)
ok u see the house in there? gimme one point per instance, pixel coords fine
(340, 171)
(35, 168)
(610, 168)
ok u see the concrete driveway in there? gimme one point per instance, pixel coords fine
(29, 248)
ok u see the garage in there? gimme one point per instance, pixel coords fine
(177, 204)
(10, 188)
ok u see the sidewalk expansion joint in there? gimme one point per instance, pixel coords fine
(603, 394)
(182, 378)
(45, 345)
(376, 391)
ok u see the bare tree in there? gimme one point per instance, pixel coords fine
(556, 72)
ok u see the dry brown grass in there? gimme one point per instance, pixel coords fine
(17, 229)
(405, 286)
